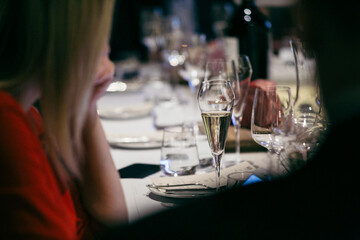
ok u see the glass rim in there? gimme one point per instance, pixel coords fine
(215, 80)
(178, 129)
(272, 87)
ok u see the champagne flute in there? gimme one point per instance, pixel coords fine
(216, 100)
(240, 75)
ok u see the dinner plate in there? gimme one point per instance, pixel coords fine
(135, 141)
(125, 86)
(180, 194)
(126, 112)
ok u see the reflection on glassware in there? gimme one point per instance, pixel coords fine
(178, 151)
(216, 100)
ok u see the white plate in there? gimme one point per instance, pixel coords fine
(127, 112)
(180, 194)
(125, 86)
(133, 143)
(149, 141)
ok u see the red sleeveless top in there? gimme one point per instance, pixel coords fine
(32, 202)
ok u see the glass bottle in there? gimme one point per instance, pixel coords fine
(252, 30)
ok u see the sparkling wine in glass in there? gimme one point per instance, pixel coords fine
(216, 99)
(240, 74)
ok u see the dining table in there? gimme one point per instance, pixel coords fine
(130, 112)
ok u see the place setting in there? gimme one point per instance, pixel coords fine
(179, 162)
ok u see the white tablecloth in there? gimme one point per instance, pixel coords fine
(139, 203)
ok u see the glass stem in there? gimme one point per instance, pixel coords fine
(217, 161)
(237, 139)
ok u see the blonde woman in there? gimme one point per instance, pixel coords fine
(57, 177)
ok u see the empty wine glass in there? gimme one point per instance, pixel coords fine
(283, 123)
(194, 65)
(216, 69)
(216, 100)
(272, 122)
(308, 133)
(306, 96)
(240, 75)
(193, 71)
(261, 117)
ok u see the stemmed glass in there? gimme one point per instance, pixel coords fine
(216, 69)
(240, 75)
(308, 98)
(194, 50)
(308, 133)
(272, 122)
(195, 59)
(283, 124)
(216, 100)
(261, 117)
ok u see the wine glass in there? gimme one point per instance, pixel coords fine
(194, 65)
(283, 122)
(261, 116)
(272, 122)
(216, 100)
(193, 71)
(308, 133)
(308, 98)
(216, 69)
(240, 75)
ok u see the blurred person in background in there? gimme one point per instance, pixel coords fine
(319, 201)
(57, 177)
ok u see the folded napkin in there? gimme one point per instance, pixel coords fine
(207, 179)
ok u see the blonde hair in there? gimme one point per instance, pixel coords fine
(58, 43)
